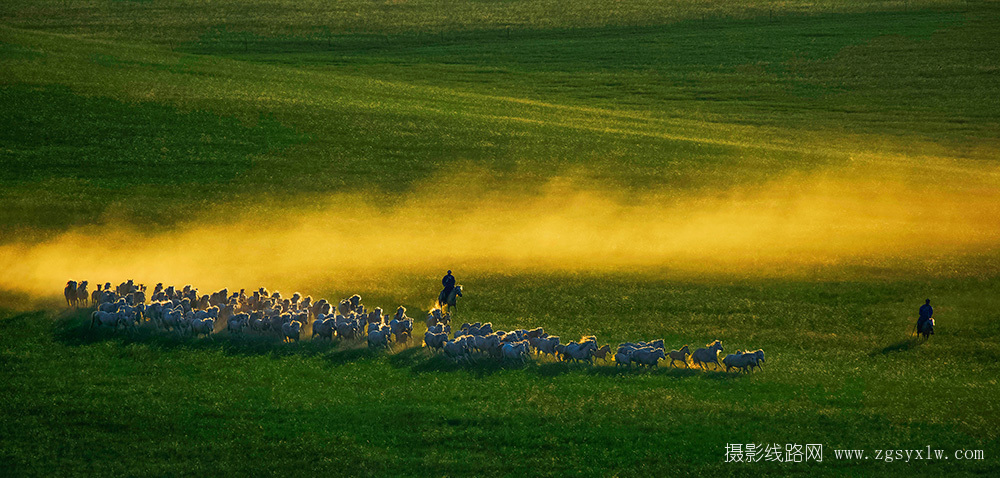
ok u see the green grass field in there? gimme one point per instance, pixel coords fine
(212, 130)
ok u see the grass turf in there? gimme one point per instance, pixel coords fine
(840, 371)
(684, 105)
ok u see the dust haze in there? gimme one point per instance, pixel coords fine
(891, 215)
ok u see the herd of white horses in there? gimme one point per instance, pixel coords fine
(185, 311)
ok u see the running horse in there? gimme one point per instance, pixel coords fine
(451, 299)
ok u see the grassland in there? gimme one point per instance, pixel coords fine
(693, 104)
(841, 373)
(156, 115)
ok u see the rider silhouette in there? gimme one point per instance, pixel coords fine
(926, 313)
(448, 281)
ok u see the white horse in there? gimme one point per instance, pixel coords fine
(106, 319)
(710, 354)
(451, 300)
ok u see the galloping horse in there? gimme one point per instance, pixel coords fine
(451, 299)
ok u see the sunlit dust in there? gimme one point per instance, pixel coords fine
(826, 219)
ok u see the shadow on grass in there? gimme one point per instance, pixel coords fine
(901, 346)
(74, 330)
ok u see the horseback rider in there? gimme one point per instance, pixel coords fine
(448, 281)
(926, 314)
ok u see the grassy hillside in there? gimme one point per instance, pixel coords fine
(183, 20)
(686, 104)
